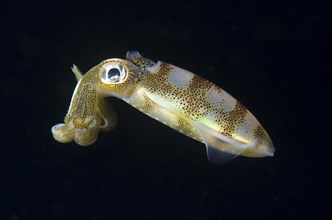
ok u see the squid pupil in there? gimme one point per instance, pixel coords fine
(113, 73)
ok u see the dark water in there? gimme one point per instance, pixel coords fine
(274, 57)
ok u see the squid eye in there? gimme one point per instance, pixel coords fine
(113, 73)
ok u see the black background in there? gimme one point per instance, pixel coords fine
(274, 56)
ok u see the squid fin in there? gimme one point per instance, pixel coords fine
(220, 149)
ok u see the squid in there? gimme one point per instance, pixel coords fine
(175, 97)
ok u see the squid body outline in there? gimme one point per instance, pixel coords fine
(176, 97)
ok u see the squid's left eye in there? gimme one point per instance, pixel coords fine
(113, 73)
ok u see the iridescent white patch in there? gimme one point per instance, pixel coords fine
(220, 99)
(180, 78)
(246, 128)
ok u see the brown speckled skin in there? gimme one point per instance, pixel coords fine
(171, 95)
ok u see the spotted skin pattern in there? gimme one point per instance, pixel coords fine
(176, 97)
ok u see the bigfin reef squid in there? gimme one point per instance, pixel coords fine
(175, 97)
